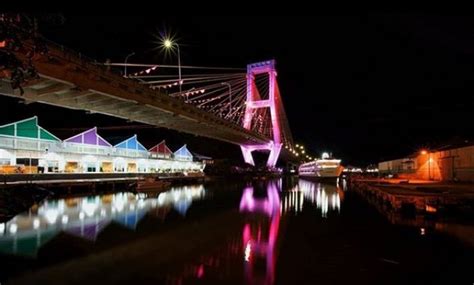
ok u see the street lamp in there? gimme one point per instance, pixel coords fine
(167, 43)
(230, 95)
(429, 165)
(126, 58)
(424, 152)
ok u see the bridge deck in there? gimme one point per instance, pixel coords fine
(68, 81)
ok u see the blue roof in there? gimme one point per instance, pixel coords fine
(183, 152)
(131, 143)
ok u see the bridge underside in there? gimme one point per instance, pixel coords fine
(68, 81)
(53, 92)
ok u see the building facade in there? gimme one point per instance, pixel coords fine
(445, 164)
(26, 147)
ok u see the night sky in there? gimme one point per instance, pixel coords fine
(365, 88)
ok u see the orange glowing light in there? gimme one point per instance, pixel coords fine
(423, 152)
(430, 209)
(3, 44)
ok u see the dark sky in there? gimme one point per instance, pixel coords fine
(365, 88)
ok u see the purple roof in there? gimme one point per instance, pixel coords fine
(89, 137)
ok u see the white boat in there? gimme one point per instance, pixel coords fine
(324, 168)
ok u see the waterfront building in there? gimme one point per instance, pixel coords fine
(26, 147)
(448, 163)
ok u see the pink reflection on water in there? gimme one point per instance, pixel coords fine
(200, 271)
(258, 249)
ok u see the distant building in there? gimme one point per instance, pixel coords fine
(202, 158)
(450, 163)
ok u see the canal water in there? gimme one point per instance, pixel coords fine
(282, 231)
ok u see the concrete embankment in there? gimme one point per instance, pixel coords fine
(417, 197)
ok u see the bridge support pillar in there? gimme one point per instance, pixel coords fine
(247, 153)
(272, 158)
(254, 102)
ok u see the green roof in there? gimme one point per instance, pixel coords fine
(27, 128)
(8, 130)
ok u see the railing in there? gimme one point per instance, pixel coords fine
(159, 155)
(7, 142)
(183, 158)
(29, 144)
(87, 149)
(131, 153)
(68, 147)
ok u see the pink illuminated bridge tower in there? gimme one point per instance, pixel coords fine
(255, 102)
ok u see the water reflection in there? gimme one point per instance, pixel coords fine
(254, 249)
(248, 255)
(259, 236)
(86, 217)
(261, 231)
(326, 197)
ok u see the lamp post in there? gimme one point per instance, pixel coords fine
(167, 43)
(424, 152)
(429, 165)
(230, 95)
(126, 58)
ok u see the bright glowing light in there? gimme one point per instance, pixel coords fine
(176, 195)
(422, 231)
(64, 219)
(167, 43)
(13, 228)
(297, 145)
(325, 155)
(51, 215)
(119, 202)
(81, 215)
(36, 223)
(423, 152)
(89, 208)
(2, 228)
(248, 250)
(161, 198)
(430, 209)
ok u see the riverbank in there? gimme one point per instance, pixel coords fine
(417, 196)
(428, 205)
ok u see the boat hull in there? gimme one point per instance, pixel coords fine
(319, 178)
(151, 186)
(326, 174)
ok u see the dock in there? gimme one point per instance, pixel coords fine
(68, 180)
(416, 196)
